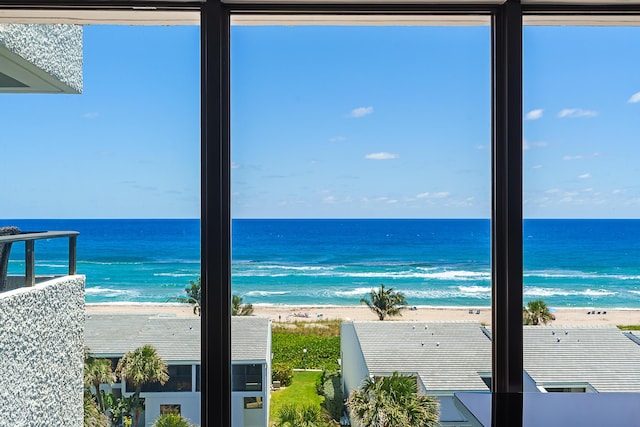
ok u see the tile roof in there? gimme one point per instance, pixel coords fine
(446, 355)
(449, 356)
(599, 355)
(177, 339)
(250, 338)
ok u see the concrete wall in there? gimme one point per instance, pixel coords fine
(41, 354)
(353, 366)
(55, 49)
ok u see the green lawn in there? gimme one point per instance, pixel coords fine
(302, 391)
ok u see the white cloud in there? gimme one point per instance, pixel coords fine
(527, 145)
(438, 195)
(329, 200)
(381, 156)
(634, 98)
(90, 115)
(536, 167)
(534, 114)
(337, 139)
(234, 165)
(576, 112)
(361, 112)
(581, 156)
(584, 176)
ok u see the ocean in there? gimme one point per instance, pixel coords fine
(434, 262)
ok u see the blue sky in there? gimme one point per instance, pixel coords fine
(329, 122)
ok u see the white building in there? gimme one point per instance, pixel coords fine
(178, 341)
(250, 371)
(454, 358)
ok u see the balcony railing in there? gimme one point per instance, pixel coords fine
(29, 239)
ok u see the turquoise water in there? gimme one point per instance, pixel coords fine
(568, 263)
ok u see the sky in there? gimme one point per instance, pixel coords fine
(329, 122)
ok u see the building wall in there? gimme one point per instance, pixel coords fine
(352, 363)
(42, 353)
(55, 49)
(257, 417)
(189, 405)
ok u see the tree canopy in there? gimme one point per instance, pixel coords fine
(141, 366)
(238, 308)
(385, 302)
(536, 312)
(393, 401)
(96, 372)
(194, 295)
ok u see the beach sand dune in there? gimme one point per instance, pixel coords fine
(282, 313)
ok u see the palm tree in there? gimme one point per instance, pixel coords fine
(194, 295)
(93, 416)
(385, 302)
(239, 309)
(393, 401)
(536, 312)
(141, 366)
(96, 372)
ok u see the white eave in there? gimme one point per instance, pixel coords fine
(17, 75)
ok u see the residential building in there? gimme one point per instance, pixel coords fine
(177, 341)
(452, 358)
(250, 371)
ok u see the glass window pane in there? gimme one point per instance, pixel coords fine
(580, 207)
(101, 136)
(361, 166)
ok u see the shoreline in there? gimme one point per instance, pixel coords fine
(295, 313)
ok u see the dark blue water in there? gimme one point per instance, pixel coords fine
(568, 263)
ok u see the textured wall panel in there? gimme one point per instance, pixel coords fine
(41, 354)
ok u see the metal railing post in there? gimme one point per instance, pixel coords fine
(29, 263)
(72, 255)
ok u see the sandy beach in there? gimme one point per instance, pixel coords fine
(567, 317)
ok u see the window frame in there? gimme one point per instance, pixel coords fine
(506, 165)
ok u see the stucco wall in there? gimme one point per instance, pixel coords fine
(41, 354)
(56, 49)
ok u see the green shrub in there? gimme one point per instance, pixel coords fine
(292, 415)
(282, 372)
(320, 383)
(322, 352)
(171, 420)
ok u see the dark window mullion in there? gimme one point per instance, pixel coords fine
(506, 216)
(215, 217)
